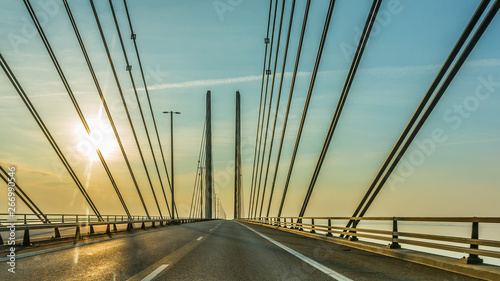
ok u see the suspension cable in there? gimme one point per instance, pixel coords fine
(256, 200)
(278, 105)
(266, 41)
(129, 69)
(198, 167)
(103, 38)
(308, 99)
(73, 99)
(343, 97)
(290, 95)
(269, 111)
(47, 133)
(134, 36)
(104, 103)
(24, 197)
(449, 78)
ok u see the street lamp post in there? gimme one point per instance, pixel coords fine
(172, 155)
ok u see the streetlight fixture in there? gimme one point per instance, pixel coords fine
(172, 154)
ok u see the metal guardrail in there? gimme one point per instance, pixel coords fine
(25, 222)
(64, 218)
(393, 236)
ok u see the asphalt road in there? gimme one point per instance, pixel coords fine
(216, 250)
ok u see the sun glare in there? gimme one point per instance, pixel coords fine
(101, 137)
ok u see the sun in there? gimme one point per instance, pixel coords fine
(101, 137)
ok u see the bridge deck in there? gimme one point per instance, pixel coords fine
(217, 250)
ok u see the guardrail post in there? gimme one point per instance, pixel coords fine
(143, 226)
(57, 234)
(300, 227)
(312, 230)
(77, 235)
(114, 228)
(291, 224)
(472, 258)
(284, 222)
(26, 239)
(92, 229)
(88, 218)
(394, 244)
(130, 226)
(76, 218)
(108, 229)
(25, 221)
(62, 218)
(329, 233)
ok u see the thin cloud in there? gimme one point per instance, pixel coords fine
(385, 71)
(216, 82)
(202, 83)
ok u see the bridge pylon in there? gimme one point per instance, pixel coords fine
(237, 161)
(208, 160)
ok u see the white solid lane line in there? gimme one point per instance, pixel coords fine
(155, 273)
(312, 262)
(201, 237)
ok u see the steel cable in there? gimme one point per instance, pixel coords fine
(103, 38)
(129, 69)
(24, 197)
(256, 201)
(290, 95)
(197, 168)
(343, 97)
(260, 108)
(308, 99)
(47, 133)
(449, 78)
(278, 105)
(133, 36)
(104, 103)
(269, 113)
(444, 69)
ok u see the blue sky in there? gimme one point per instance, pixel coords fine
(189, 47)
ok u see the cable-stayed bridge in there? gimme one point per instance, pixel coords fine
(131, 224)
